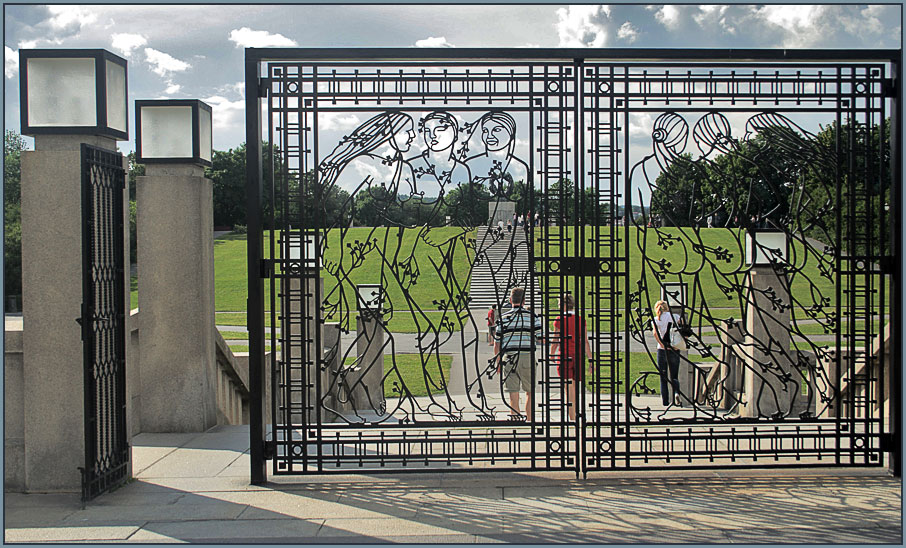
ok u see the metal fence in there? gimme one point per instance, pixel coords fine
(395, 196)
(103, 321)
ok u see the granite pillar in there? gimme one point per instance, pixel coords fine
(174, 224)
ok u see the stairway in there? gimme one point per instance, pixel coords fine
(500, 264)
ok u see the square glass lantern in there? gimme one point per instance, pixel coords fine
(765, 247)
(674, 293)
(173, 131)
(73, 91)
(369, 296)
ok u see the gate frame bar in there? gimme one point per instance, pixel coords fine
(254, 57)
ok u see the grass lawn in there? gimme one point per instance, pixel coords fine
(401, 322)
(234, 335)
(683, 253)
(409, 372)
(230, 264)
(245, 348)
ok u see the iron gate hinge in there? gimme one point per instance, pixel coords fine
(264, 84)
(888, 87)
(270, 449)
(888, 266)
(886, 441)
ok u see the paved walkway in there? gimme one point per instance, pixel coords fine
(194, 488)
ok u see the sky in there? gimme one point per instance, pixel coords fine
(196, 51)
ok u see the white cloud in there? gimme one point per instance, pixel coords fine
(28, 44)
(640, 124)
(434, 42)
(628, 32)
(126, 42)
(11, 67)
(583, 26)
(668, 16)
(64, 16)
(172, 88)
(791, 18)
(226, 113)
(248, 38)
(337, 121)
(163, 63)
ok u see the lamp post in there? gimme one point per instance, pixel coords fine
(174, 225)
(770, 380)
(68, 98)
(173, 131)
(73, 92)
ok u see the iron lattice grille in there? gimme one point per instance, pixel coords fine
(103, 322)
(601, 150)
(806, 144)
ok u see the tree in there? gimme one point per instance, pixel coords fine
(13, 145)
(868, 168)
(227, 174)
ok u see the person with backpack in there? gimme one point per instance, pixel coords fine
(667, 333)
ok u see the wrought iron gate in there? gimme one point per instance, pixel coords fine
(103, 321)
(406, 192)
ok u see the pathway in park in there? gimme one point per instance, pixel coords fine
(195, 488)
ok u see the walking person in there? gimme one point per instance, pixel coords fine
(518, 331)
(669, 343)
(569, 348)
(492, 324)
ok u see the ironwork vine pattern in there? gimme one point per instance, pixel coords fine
(732, 147)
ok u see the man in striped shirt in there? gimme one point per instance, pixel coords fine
(518, 331)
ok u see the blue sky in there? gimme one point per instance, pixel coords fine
(196, 51)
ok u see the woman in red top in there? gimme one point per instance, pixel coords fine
(566, 352)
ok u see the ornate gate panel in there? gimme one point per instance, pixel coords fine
(103, 321)
(405, 194)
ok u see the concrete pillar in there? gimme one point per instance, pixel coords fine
(367, 391)
(53, 374)
(174, 224)
(771, 379)
(300, 342)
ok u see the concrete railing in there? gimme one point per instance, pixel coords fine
(232, 385)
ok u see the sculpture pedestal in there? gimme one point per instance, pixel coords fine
(771, 380)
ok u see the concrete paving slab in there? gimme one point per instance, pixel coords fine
(312, 505)
(38, 516)
(194, 485)
(41, 500)
(200, 508)
(233, 440)
(381, 527)
(191, 463)
(165, 440)
(238, 468)
(64, 534)
(229, 531)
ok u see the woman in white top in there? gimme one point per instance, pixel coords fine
(668, 358)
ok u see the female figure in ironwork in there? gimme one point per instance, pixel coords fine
(497, 166)
(438, 169)
(388, 130)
